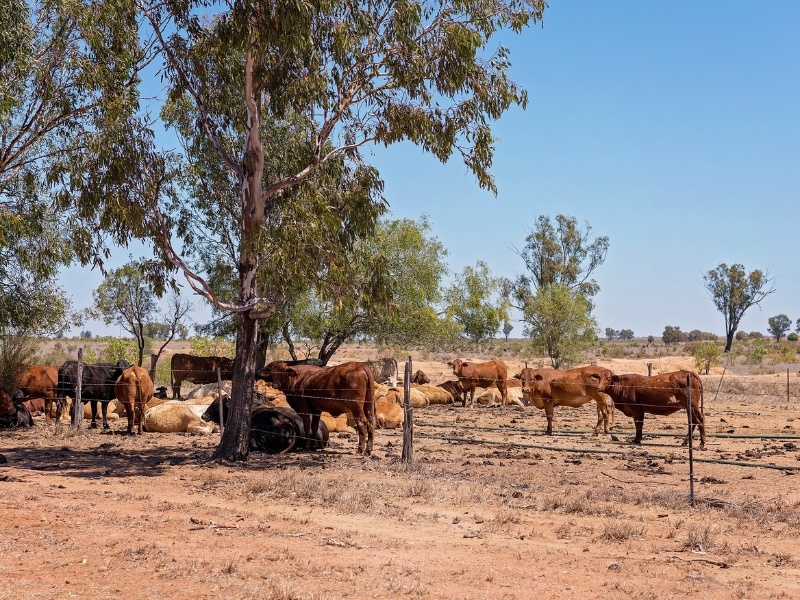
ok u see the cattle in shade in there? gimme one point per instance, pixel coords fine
(455, 388)
(384, 370)
(346, 388)
(265, 374)
(484, 375)
(637, 395)
(40, 382)
(548, 388)
(12, 410)
(197, 369)
(160, 392)
(35, 406)
(273, 429)
(134, 389)
(97, 385)
(420, 378)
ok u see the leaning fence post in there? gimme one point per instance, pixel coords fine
(219, 397)
(649, 369)
(691, 455)
(77, 404)
(408, 417)
(787, 385)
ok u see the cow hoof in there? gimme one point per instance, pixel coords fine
(637, 442)
(106, 426)
(92, 425)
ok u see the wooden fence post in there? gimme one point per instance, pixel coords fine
(787, 385)
(649, 369)
(219, 397)
(408, 418)
(77, 404)
(691, 455)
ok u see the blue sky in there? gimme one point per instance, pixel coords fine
(672, 128)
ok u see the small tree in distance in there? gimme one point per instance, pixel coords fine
(611, 333)
(779, 325)
(707, 356)
(733, 291)
(673, 334)
(507, 329)
(625, 334)
(472, 302)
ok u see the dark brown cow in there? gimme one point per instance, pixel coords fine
(198, 369)
(662, 394)
(35, 406)
(547, 388)
(134, 389)
(420, 378)
(455, 388)
(12, 411)
(348, 388)
(40, 382)
(472, 375)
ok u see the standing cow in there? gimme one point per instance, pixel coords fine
(40, 382)
(348, 388)
(662, 394)
(97, 385)
(134, 389)
(547, 388)
(197, 369)
(472, 375)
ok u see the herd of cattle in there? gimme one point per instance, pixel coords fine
(296, 403)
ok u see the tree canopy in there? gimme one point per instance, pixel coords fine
(475, 303)
(779, 325)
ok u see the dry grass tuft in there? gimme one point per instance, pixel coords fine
(621, 531)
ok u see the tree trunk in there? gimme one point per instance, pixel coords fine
(261, 351)
(234, 444)
(287, 337)
(329, 348)
(729, 340)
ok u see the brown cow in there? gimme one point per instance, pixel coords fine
(12, 411)
(197, 369)
(35, 406)
(134, 389)
(547, 388)
(472, 375)
(420, 378)
(455, 388)
(662, 394)
(40, 382)
(347, 388)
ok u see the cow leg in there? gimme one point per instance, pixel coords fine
(104, 409)
(48, 406)
(471, 395)
(59, 407)
(503, 392)
(315, 441)
(602, 416)
(370, 434)
(699, 421)
(638, 422)
(176, 389)
(548, 410)
(93, 424)
(307, 429)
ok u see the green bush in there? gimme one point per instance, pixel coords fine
(758, 354)
(120, 349)
(215, 346)
(792, 337)
(741, 336)
(707, 356)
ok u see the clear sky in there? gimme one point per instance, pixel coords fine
(673, 128)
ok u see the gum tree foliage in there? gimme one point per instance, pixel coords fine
(733, 291)
(778, 326)
(611, 333)
(558, 253)
(375, 72)
(559, 322)
(673, 334)
(404, 313)
(507, 327)
(475, 303)
(741, 336)
(126, 299)
(625, 334)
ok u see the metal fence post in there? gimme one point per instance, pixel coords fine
(408, 418)
(691, 454)
(77, 404)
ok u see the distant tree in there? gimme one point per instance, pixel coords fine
(733, 292)
(757, 335)
(176, 316)
(650, 339)
(126, 299)
(86, 335)
(741, 336)
(611, 333)
(673, 335)
(472, 301)
(779, 325)
(694, 335)
(559, 322)
(507, 329)
(625, 334)
(560, 254)
(707, 356)
(792, 337)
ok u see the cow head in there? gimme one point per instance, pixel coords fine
(123, 364)
(420, 378)
(283, 376)
(607, 380)
(456, 364)
(161, 392)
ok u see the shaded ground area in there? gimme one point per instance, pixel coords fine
(101, 515)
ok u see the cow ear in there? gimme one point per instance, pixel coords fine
(518, 376)
(595, 376)
(291, 372)
(538, 377)
(615, 378)
(464, 364)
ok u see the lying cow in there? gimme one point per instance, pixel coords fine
(177, 416)
(97, 383)
(420, 378)
(345, 388)
(547, 388)
(40, 383)
(12, 410)
(455, 389)
(662, 394)
(484, 375)
(134, 389)
(272, 429)
(197, 369)
(160, 392)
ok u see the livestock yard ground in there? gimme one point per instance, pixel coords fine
(101, 515)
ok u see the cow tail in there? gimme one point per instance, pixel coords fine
(371, 395)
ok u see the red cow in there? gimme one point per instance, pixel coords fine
(134, 389)
(348, 388)
(472, 375)
(420, 378)
(40, 382)
(662, 394)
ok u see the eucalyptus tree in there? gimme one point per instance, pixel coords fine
(355, 74)
(474, 302)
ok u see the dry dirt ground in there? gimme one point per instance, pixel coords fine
(100, 515)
